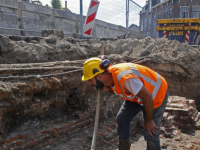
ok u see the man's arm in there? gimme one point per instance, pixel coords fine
(147, 99)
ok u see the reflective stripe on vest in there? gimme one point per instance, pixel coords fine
(147, 79)
(123, 95)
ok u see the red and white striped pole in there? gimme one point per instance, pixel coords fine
(90, 18)
(187, 35)
(165, 32)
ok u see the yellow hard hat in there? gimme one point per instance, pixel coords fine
(91, 68)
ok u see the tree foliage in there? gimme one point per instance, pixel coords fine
(47, 5)
(39, 2)
(56, 4)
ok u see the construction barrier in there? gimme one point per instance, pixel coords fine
(90, 18)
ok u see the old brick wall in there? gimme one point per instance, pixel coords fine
(47, 136)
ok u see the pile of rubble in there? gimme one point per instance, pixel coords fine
(181, 115)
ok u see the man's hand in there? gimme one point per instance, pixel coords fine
(147, 99)
(151, 127)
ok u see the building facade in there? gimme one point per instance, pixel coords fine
(166, 9)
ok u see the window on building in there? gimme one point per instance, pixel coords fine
(165, 14)
(158, 16)
(145, 24)
(184, 12)
(141, 25)
(149, 5)
(154, 22)
(196, 11)
(149, 23)
(170, 13)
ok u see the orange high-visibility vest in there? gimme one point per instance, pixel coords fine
(154, 82)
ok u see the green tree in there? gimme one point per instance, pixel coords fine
(47, 5)
(39, 2)
(56, 4)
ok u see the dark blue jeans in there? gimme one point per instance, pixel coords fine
(126, 114)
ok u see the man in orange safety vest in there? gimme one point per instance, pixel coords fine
(140, 87)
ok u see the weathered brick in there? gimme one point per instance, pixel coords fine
(19, 143)
(7, 141)
(90, 126)
(74, 122)
(71, 129)
(9, 146)
(66, 131)
(87, 117)
(1, 142)
(92, 119)
(38, 147)
(24, 136)
(100, 133)
(56, 129)
(58, 134)
(87, 122)
(78, 130)
(12, 139)
(69, 134)
(17, 148)
(60, 138)
(43, 132)
(30, 145)
(52, 142)
(45, 144)
(66, 125)
(49, 131)
(44, 139)
(79, 125)
(17, 137)
(70, 116)
(81, 115)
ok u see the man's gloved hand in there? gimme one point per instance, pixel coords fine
(99, 85)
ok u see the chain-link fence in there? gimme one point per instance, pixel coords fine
(110, 11)
(27, 19)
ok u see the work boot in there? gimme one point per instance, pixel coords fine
(124, 144)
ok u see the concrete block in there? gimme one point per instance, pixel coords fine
(101, 32)
(8, 20)
(9, 3)
(114, 27)
(101, 23)
(38, 9)
(9, 31)
(36, 23)
(122, 29)
(113, 33)
(64, 14)
(35, 18)
(8, 15)
(67, 26)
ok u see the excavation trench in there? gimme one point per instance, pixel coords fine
(44, 103)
